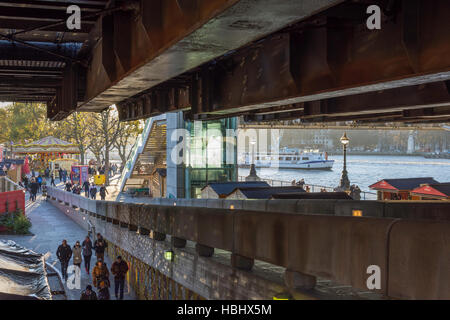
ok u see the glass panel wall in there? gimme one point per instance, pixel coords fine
(212, 154)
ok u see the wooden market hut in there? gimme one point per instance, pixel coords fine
(438, 191)
(399, 189)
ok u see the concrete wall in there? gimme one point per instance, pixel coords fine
(211, 278)
(335, 247)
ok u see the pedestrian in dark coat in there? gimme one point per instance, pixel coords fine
(64, 253)
(93, 192)
(34, 187)
(99, 246)
(88, 294)
(103, 291)
(103, 192)
(52, 182)
(86, 189)
(87, 253)
(119, 269)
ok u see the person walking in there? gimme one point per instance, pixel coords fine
(88, 294)
(103, 291)
(100, 273)
(86, 188)
(119, 269)
(99, 247)
(25, 182)
(64, 253)
(52, 182)
(77, 259)
(93, 192)
(34, 187)
(103, 192)
(68, 186)
(60, 174)
(39, 181)
(64, 174)
(87, 253)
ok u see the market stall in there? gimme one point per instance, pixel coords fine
(45, 150)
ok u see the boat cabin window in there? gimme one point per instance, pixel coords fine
(288, 158)
(305, 158)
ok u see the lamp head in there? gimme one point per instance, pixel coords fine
(344, 139)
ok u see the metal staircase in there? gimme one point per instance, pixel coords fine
(138, 151)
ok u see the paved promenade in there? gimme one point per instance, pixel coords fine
(50, 227)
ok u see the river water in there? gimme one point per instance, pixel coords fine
(363, 170)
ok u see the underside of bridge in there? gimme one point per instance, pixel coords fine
(314, 60)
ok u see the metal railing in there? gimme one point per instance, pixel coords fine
(365, 195)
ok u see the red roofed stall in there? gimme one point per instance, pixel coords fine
(400, 189)
(439, 191)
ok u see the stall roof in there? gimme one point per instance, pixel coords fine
(312, 195)
(225, 188)
(266, 192)
(404, 184)
(47, 144)
(440, 190)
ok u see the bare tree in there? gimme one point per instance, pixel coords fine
(128, 133)
(75, 128)
(105, 130)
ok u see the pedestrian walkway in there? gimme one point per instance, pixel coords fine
(50, 227)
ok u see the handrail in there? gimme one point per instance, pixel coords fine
(7, 184)
(366, 195)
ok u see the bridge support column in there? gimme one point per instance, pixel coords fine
(124, 225)
(204, 251)
(240, 262)
(298, 280)
(178, 242)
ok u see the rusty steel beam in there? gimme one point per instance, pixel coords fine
(319, 60)
(164, 39)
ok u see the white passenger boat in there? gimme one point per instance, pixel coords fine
(289, 158)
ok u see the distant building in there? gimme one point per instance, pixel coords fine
(439, 191)
(223, 189)
(242, 193)
(399, 189)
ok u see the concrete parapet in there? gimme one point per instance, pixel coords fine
(240, 262)
(315, 206)
(299, 281)
(419, 260)
(204, 251)
(367, 208)
(429, 210)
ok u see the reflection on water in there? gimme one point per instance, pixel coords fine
(364, 170)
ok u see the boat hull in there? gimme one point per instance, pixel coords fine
(310, 165)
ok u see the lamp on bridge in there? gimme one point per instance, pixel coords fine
(345, 182)
(252, 176)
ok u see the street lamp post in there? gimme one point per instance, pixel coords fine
(252, 176)
(345, 182)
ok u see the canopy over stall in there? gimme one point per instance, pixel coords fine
(22, 273)
(46, 149)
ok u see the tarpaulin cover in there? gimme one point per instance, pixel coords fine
(22, 273)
